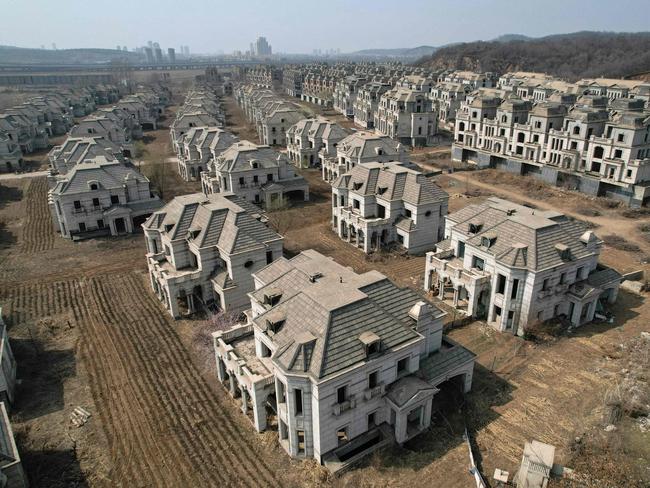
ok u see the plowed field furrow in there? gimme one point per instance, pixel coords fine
(146, 383)
(127, 403)
(38, 234)
(184, 391)
(164, 424)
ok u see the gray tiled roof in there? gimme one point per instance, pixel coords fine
(223, 220)
(330, 311)
(604, 277)
(392, 181)
(109, 175)
(363, 145)
(521, 236)
(243, 154)
(450, 356)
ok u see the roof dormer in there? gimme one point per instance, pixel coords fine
(274, 322)
(371, 343)
(563, 250)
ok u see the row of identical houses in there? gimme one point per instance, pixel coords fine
(347, 362)
(270, 114)
(197, 133)
(409, 104)
(27, 127)
(582, 136)
(94, 187)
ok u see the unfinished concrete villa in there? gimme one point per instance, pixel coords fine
(100, 198)
(310, 141)
(379, 204)
(198, 147)
(349, 362)
(514, 266)
(203, 249)
(258, 174)
(359, 148)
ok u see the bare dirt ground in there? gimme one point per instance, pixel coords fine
(237, 123)
(87, 331)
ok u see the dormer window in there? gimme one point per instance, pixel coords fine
(356, 186)
(371, 343)
(272, 298)
(168, 227)
(564, 251)
(93, 186)
(474, 228)
(274, 327)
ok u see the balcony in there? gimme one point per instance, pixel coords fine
(446, 264)
(375, 392)
(340, 408)
(352, 216)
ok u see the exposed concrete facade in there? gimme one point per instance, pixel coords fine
(271, 115)
(99, 197)
(514, 266)
(367, 102)
(360, 148)
(258, 174)
(310, 141)
(379, 204)
(198, 147)
(590, 143)
(408, 116)
(202, 250)
(348, 361)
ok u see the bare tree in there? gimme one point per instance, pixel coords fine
(202, 338)
(279, 215)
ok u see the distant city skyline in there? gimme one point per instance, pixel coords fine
(290, 26)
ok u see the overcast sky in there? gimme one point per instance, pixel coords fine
(299, 26)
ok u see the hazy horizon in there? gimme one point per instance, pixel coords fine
(297, 27)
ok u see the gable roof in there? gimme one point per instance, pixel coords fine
(221, 219)
(522, 237)
(324, 309)
(392, 181)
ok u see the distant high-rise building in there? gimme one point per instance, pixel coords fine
(157, 53)
(171, 54)
(262, 47)
(118, 48)
(149, 53)
(187, 51)
(150, 44)
(54, 46)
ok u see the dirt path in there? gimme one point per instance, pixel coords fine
(33, 174)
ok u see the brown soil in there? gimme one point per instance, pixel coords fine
(87, 331)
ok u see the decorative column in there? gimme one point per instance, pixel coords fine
(244, 400)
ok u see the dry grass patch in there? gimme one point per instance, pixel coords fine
(618, 242)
